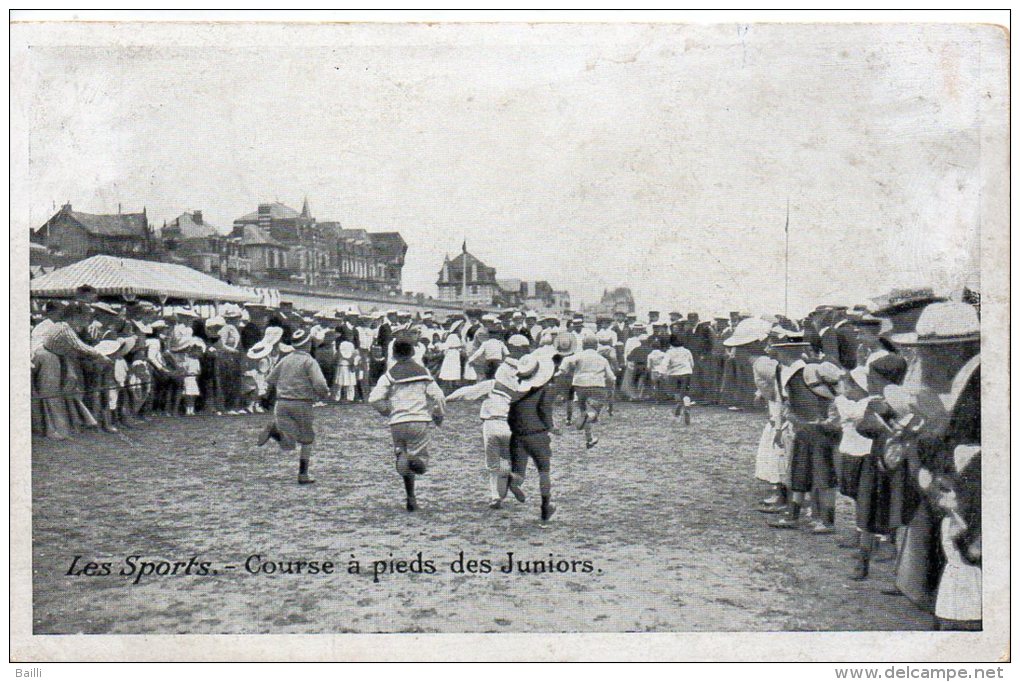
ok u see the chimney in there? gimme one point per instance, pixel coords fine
(118, 209)
(197, 217)
(67, 206)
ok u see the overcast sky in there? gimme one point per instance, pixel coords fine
(660, 158)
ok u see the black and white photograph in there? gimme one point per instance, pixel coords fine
(509, 328)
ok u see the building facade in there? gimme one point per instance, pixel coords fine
(190, 240)
(482, 288)
(288, 246)
(75, 235)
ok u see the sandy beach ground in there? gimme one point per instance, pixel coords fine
(662, 513)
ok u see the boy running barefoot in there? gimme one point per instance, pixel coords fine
(412, 400)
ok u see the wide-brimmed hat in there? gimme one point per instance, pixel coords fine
(108, 347)
(518, 341)
(105, 308)
(531, 315)
(822, 378)
(187, 312)
(272, 335)
(197, 343)
(790, 346)
(860, 376)
(181, 339)
(230, 311)
(589, 340)
(142, 327)
(749, 331)
(604, 337)
(260, 350)
(942, 323)
(215, 322)
(535, 370)
(901, 300)
(299, 338)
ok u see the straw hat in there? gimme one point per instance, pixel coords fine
(187, 312)
(142, 327)
(822, 379)
(518, 341)
(749, 331)
(259, 351)
(605, 337)
(105, 308)
(860, 376)
(108, 347)
(182, 341)
(231, 311)
(299, 338)
(942, 323)
(215, 323)
(535, 370)
(127, 343)
(272, 336)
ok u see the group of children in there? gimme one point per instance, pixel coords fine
(514, 384)
(890, 419)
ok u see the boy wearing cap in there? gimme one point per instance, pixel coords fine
(412, 400)
(299, 382)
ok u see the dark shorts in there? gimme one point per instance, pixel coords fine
(295, 422)
(811, 465)
(410, 441)
(678, 384)
(536, 446)
(592, 398)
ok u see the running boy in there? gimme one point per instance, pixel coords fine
(590, 376)
(411, 398)
(299, 383)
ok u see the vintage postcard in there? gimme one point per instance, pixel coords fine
(509, 341)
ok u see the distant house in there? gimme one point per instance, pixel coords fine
(618, 300)
(533, 295)
(188, 226)
(289, 245)
(76, 235)
(189, 239)
(482, 288)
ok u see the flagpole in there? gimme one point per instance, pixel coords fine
(464, 279)
(786, 283)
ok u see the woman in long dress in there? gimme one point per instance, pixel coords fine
(770, 463)
(450, 371)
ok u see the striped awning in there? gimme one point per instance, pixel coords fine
(114, 276)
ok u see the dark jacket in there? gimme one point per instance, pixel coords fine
(533, 413)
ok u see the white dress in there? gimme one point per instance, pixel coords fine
(469, 370)
(770, 464)
(450, 369)
(959, 595)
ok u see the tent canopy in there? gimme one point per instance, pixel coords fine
(114, 276)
